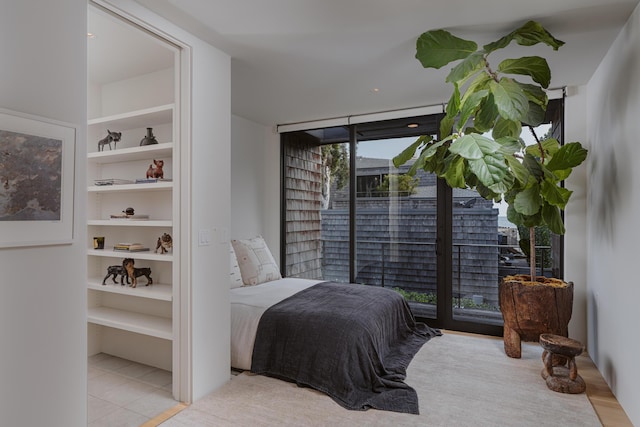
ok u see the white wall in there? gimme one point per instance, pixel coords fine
(137, 93)
(255, 182)
(613, 212)
(43, 362)
(205, 192)
(247, 177)
(210, 210)
(575, 239)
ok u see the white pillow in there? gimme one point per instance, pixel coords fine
(257, 265)
(236, 277)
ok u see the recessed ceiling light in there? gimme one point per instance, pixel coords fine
(413, 125)
(375, 90)
(91, 35)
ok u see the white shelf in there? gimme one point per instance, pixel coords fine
(145, 324)
(158, 291)
(155, 186)
(164, 149)
(147, 117)
(148, 255)
(131, 223)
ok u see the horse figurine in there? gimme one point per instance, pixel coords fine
(111, 137)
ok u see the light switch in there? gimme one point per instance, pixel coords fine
(204, 237)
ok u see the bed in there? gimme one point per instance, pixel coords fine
(352, 342)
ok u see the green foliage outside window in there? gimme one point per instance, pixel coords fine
(336, 158)
(431, 298)
(402, 185)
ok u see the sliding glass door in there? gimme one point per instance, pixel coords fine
(395, 224)
(350, 215)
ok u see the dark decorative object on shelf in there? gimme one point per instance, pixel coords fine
(149, 139)
(156, 171)
(134, 273)
(111, 137)
(165, 243)
(114, 271)
(129, 211)
(98, 243)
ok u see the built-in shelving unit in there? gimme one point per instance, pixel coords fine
(153, 326)
(121, 188)
(136, 323)
(152, 116)
(132, 153)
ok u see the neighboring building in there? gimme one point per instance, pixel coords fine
(396, 244)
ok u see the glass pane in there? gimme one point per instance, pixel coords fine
(335, 213)
(396, 224)
(486, 248)
(316, 246)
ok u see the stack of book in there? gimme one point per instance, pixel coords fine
(141, 217)
(130, 247)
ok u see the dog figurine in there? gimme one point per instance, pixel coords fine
(165, 243)
(156, 172)
(114, 271)
(111, 137)
(134, 273)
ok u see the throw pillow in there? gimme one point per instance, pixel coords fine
(257, 265)
(236, 277)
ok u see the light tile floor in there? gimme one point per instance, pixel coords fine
(126, 393)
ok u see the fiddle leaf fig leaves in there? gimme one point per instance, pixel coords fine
(490, 170)
(466, 68)
(567, 157)
(532, 165)
(507, 128)
(455, 173)
(550, 147)
(474, 146)
(533, 33)
(486, 101)
(529, 34)
(471, 104)
(437, 48)
(532, 66)
(554, 194)
(535, 94)
(535, 115)
(484, 158)
(510, 99)
(528, 202)
(553, 219)
(519, 171)
(408, 153)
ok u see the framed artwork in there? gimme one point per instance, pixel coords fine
(36, 180)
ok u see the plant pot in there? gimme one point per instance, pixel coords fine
(533, 308)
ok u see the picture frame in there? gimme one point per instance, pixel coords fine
(37, 166)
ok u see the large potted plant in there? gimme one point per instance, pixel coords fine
(479, 147)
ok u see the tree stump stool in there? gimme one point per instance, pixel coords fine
(561, 378)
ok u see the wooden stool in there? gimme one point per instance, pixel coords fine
(560, 378)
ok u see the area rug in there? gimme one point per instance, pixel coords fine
(461, 380)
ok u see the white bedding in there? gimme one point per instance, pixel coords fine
(247, 305)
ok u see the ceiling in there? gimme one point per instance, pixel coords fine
(300, 60)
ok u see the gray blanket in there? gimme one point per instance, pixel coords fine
(352, 342)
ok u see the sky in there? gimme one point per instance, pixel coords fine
(389, 148)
